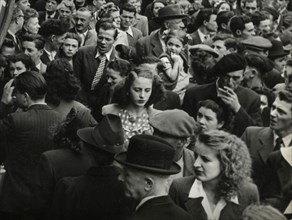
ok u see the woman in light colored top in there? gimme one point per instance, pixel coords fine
(133, 99)
(221, 187)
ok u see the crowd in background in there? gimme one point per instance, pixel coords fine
(147, 110)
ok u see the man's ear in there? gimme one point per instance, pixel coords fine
(148, 183)
(53, 38)
(224, 26)
(238, 32)
(205, 22)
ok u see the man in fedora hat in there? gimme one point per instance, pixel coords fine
(147, 165)
(98, 145)
(170, 17)
(177, 127)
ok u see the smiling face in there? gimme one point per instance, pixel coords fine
(174, 45)
(207, 119)
(117, 20)
(113, 77)
(207, 165)
(140, 91)
(32, 25)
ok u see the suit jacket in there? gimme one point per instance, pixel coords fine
(180, 189)
(149, 45)
(137, 34)
(42, 16)
(195, 38)
(52, 167)
(248, 115)
(189, 160)
(260, 141)
(277, 189)
(29, 134)
(85, 67)
(160, 208)
(16, 43)
(141, 23)
(90, 38)
(96, 195)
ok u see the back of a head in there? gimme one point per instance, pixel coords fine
(53, 27)
(36, 38)
(237, 23)
(262, 212)
(32, 83)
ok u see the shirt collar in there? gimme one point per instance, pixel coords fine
(287, 154)
(130, 31)
(202, 35)
(287, 140)
(108, 54)
(197, 191)
(52, 15)
(144, 200)
(51, 54)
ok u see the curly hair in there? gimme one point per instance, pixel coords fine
(234, 157)
(30, 13)
(122, 91)
(62, 84)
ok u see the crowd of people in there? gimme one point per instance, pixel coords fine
(146, 110)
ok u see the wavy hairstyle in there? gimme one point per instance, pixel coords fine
(234, 157)
(122, 91)
(62, 84)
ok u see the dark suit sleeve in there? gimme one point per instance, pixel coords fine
(252, 118)
(78, 65)
(44, 189)
(189, 103)
(140, 48)
(6, 126)
(174, 193)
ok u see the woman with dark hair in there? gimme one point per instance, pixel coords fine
(213, 115)
(221, 188)
(224, 6)
(20, 63)
(133, 98)
(153, 23)
(63, 87)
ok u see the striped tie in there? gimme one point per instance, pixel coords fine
(99, 71)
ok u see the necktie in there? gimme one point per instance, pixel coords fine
(99, 71)
(278, 145)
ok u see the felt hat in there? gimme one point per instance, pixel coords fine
(203, 47)
(108, 135)
(151, 154)
(257, 43)
(169, 12)
(277, 50)
(229, 63)
(176, 123)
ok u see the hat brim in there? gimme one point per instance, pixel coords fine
(216, 55)
(122, 158)
(85, 134)
(275, 56)
(161, 19)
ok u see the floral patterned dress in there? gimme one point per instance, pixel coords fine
(134, 125)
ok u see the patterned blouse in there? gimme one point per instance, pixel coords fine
(133, 126)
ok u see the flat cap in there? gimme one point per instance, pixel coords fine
(175, 123)
(203, 47)
(257, 43)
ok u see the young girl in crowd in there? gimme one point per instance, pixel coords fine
(174, 62)
(221, 188)
(132, 100)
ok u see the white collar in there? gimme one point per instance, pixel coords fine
(52, 15)
(51, 54)
(83, 34)
(130, 31)
(107, 54)
(286, 140)
(202, 35)
(197, 191)
(287, 154)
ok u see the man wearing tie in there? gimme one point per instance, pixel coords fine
(90, 62)
(262, 141)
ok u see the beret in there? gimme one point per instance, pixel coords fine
(229, 63)
(175, 123)
(203, 47)
(257, 43)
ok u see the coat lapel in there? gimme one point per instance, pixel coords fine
(156, 44)
(195, 208)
